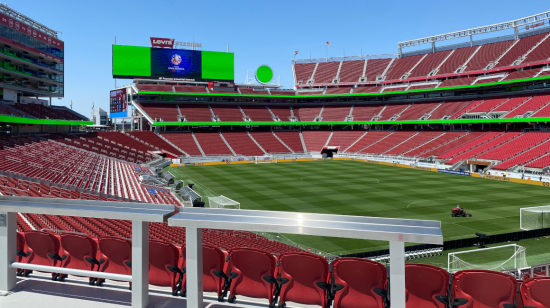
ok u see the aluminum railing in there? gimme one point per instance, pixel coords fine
(139, 213)
(396, 231)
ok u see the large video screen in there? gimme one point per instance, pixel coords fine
(172, 64)
(117, 103)
(176, 63)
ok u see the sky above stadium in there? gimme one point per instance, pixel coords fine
(258, 32)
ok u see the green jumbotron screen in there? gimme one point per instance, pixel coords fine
(155, 63)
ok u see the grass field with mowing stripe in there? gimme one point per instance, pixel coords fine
(363, 189)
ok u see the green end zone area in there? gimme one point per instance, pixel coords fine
(363, 189)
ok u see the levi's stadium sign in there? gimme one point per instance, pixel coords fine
(170, 43)
(162, 42)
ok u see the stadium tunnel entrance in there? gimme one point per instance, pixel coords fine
(477, 166)
(329, 151)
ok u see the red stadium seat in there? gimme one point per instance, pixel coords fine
(22, 253)
(300, 274)
(215, 271)
(79, 252)
(115, 256)
(364, 283)
(248, 269)
(426, 286)
(164, 265)
(44, 250)
(164, 261)
(534, 292)
(483, 289)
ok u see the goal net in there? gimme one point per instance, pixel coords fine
(532, 218)
(498, 258)
(222, 202)
(264, 159)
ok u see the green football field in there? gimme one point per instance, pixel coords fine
(357, 188)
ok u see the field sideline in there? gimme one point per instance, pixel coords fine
(356, 188)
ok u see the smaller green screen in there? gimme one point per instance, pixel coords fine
(131, 61)
(218, 65)
(264, 74)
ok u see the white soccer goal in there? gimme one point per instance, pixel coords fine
(494, 258)
(532, 218)
(265, 159)
(222, 202)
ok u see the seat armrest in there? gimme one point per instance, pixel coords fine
(92, 260)
(270, 279)
(323, 285)
(443, 299)
(220, 274)
(459, 301)
(282, 281)
(55, 256)
(21, 254)
(381, 292)
(174, 269)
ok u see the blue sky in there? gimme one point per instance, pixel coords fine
(258, 32)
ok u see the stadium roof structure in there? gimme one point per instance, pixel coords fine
(27, 20)
(513, 24)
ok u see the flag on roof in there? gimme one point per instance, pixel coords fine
(328, 43)
(296, 52)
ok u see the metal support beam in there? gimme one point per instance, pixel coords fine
(8, 240)
(514, 24)
(140, 264)
(193, 239)
(397, 273)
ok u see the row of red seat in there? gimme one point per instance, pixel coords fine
(45, 112)
(504, 107)
(290, 277)
(440, 63)
(94, 143)
(449, 146)
(61, 164)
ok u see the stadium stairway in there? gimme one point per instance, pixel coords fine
(435, 143)
(156, 141)
(525, 157)
(270, 143)
(183, 141)
(481, 149)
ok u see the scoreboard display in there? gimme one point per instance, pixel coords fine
(117, 103)
(172, 64)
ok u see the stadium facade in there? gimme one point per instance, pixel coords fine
(32, 69)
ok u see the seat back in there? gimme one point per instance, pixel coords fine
(21, 245)
(423, 283)
(77, 248)
(116, 252)
(303, 270)
(41, 245)
(360, 277)
(213, 259)
(162, 255)
(484, 289)
(535, 292)
(252, 265)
